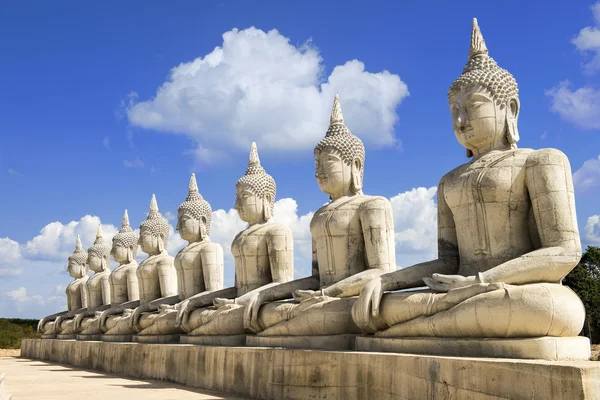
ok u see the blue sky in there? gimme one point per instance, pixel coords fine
(85, 131)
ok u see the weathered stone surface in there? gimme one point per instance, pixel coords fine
(307, 374)
(117, 338)
(66, 337)
(156, 338)
(210, 340)
(332, 342)
(544, 348)
(95, 337)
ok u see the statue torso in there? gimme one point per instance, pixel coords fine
(118, 282)
(337, 232)
(74, 293)
(491, 209)
(94, 288)
(190, 274)
(251, 254)
(148, 276)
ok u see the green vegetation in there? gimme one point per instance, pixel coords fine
(12, 330)
(585, 281)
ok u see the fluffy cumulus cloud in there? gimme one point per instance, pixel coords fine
(10, 258)
(581, 106)
(257, 86)
(592, 230)
(588, 175)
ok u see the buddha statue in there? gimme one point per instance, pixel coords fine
(352, 240)
(77, 296)
(507, 231)
(156, 278)
(97, 286)
(264, 257)
(199, 265)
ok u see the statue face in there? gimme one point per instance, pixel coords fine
(120, 253)
(333, 175)
(74, 269)
(148, 242)
(477, 121)
(95, 262)
(189, 227)
(250, 207)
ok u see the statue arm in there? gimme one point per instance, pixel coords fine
(49, 318)
(205, 299)
(105, 292)
(167, 277)
(133, 287)
(84, 295)
(550, 185)
(212, 267)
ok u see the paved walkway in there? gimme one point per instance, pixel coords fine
(32, 379)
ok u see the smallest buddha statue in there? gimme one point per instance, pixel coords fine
(98, 288)
(77, 297)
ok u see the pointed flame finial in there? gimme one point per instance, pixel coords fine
(153, 213)
(78, 245)
(336, 112)
(193, 187)
(125, 220)
(253, 159)
(99, 233)
(478, 46)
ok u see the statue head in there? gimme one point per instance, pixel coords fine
(193, 215)
(484, 101)
(77, 264)
(255, 192)
(99, 253)
(339, 157)
(154, 231)
(125, 243)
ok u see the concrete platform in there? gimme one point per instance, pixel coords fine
(332, 342)
(88, 337)
(544, 348)
(270, 373)
(117, 338)
(222, 340)
(30, 379)
(156, 338)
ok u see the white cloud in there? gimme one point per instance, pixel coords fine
(258, 87)
(592, 230)
(10, 258)
(169, 216)
(588, 42)
(12, 171)
(19, 295)
(137, 163)
(106, 142)
(588, 175)
(580, 107)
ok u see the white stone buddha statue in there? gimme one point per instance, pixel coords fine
(97, 286)
(199, 265)
(263, 253)
(77, 296)
(353, 243)
(156, 275)
(507, 231)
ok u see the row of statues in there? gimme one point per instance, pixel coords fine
(507, 236)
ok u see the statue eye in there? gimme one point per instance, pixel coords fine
(474, 105)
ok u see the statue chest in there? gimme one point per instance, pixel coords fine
(251, 253)
(188, 264)
(94, 288)
(118, 277)
(74, 289)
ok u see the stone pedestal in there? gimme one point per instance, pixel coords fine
(90, 337)
(48, 336)
(223, 340)
(117, 338)
(156, 338)
(269, 373)
(333, 342)
(545, 348)
(66, 337)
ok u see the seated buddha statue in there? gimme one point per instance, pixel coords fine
(199, 265)
(123, 285)
(77, 297)
(156, 277)
(352, 241)
(507, 231)
(263, 254)
(97, 286)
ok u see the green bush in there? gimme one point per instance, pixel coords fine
(13, 330)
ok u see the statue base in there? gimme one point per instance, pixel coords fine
(333, 342)
(542, 348)
(66, 337)
(223, 340)
(157, 338)
(94, 337)
(49, 336)
(271, 374)
(117, 338)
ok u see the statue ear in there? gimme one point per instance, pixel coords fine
(512, 116)
(357, 175)
(267, 207)
(203, 230)
(130, 253)
(161, 243)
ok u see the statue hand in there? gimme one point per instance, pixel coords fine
(251, 314)
(182, 313)
(301, 295)
(368, 302)
(444, 283)
(134, 319)
(41, 324)
(220, 302)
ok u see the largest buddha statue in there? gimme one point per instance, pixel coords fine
(507, 231)
(76, 294)
(352, 241)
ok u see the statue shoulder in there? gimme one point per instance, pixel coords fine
(451, 175)
(165, 260)
(375, 203)
(212, 246)
(550, 156)
(278, 230)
